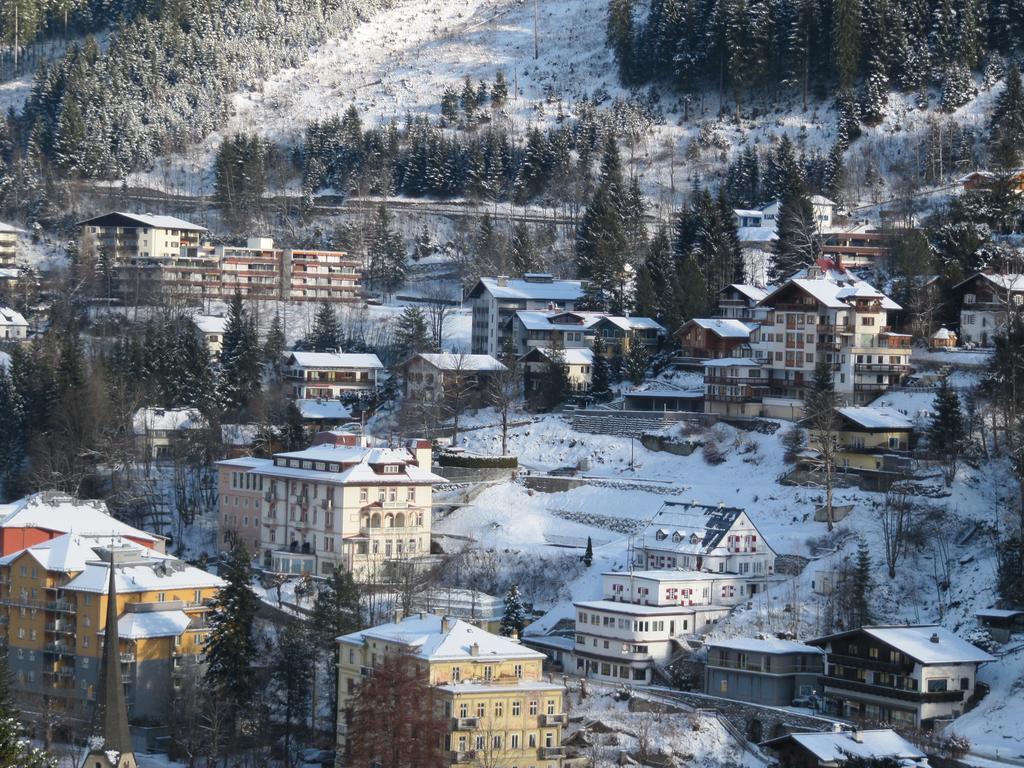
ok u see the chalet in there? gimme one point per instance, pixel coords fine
(832, 749)
(323, 414)
(987, 300)
(715, 337)
(872, 439)
(578, 364)
(985, 181)
(905, 675)
(330, 374)
(427, 376)
(771, 672)
(13, 326)
(495, 299)
(698, 537)
(741, 302)
(541, 328)
(620, 333)
(942, 339)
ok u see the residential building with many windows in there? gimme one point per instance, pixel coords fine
(52, 622)
(341, 503)
(330, 374)
(987, 301)
(499, 708)
(496, 299)
(905, 675)
(762, 671)
(121, 237)
(430, 377)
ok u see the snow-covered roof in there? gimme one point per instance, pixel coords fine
(148, 571)
(546, 319)
(746, 211)
(731, 362)
(756, 234)
(633, 323)
(573, 356)
(447, 361)
(210, 323)
(150, 220)
(752, 292)
(757, 645)
(926, 643)
(60, 513)
(239, 434)
(689, 528)
(166, 420)
(683, 393)
(876, 418)
(539, 289)
(9, 316)
(670, 575)
(999, 613)
(68, 553)
(334, 359)
(10, 229)
(355, 466)
(820, 200)
(437, 638)
(726, 328)
(1009, 282)
(942, 334)
(147, 624)
(327, 410)
(632, 609)
(834, 288)
(832, 747)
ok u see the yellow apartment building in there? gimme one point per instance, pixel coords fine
(53, 599)
(499, 709)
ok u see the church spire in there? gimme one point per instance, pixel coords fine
(110, 743)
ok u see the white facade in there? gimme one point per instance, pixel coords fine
(330, 374)
(13, 326)
(987, 302)
(496, 299)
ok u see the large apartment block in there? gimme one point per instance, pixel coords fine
(499, 709)
(341, 503)
(495, 300)
(152, 255)
(53, 596)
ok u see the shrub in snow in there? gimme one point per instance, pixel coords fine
(957, 88)
(957, 745)
(713, 453)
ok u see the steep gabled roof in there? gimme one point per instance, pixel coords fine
(723, 327)
(334, 359)
(832, 747)
(689, 528)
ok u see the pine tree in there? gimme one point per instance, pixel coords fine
(240, 356)
(523, 256)
(513, 620)
(274, 344)
(957, 87)
(600, 373)
(1006, 127)
(847, 120)
(620, 34)
(412, 333)
(385, 254)
(601, 239)
(336, 611)
(292, 673)
(588, 555)
(636, 362)
(326, 334)
(12, 436)
(15, 750)
(846, 37)
(823, 423)
(947, 434)
(860, 608)
(231, 646)
(797, 244)
(555, 387)
(875, 93)
(499, 91)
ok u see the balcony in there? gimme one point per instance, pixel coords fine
(871, 387)
(461, 758)
(465, 723)
(127, 658)
(549, 721)
(860, 662)
(881, 368)
(551, 753)
(774, 669)
(883, 691)
(59, 605)
(58, 649)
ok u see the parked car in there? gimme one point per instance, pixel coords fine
(811, 702)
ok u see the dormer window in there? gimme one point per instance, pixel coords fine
(660, 535)
(677, 536)
(390, 469)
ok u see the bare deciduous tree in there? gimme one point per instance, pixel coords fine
(894, 520)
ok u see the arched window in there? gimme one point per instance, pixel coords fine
(375, 520)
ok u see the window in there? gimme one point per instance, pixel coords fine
(488, 673)
(937, 685)
(969, 298)
(519, 670)
(517, 708)
(499, 709)
(481, 709)
(513, 741)
(534, 707)
(364, 494)
(390, 469)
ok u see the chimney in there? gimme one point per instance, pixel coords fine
(934, 638)
(857, 735)
(474, 649)
(445, 624)
(502, 280)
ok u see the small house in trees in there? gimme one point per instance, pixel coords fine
(212, 328)
(906, 675)
(159, 430)
(323, 414)
(741, 301)
(331, 374)
(986, 302)
(540, 328)
(942, 339)
(578, 365)
(872, 439)
(1001, 623)
(13, 326)
(429, 376)
(621, 333)
(715, 337)
(771, 671)
(832, 749)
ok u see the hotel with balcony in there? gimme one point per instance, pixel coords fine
(328, 375)
(320, 276)
(499, 709)
(341, 503)
(52, 621)
(907, 676)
